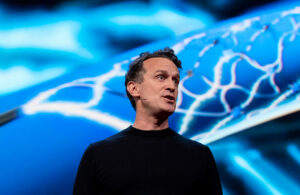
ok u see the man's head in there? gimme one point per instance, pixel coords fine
(152, 80)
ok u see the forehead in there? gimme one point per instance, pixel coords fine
(159, 63)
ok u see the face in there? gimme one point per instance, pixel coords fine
(159, 89)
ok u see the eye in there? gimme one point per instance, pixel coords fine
(160, 77)
(176, 81)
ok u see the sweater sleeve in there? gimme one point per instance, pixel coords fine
(86, 179)
(213, 183)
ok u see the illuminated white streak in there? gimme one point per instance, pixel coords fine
(231, 85)
(189, 115)
(296, 10)
(133, 58)
(208, 82)
(181, 90)
(269, 71)
(208, 95)
(252, 62)
(101, 80)
(243, 163)
(256, 34)
(254, 113)
(242, 26)
(72, 110)
(254, 88)
(279, 53)
(97, 89)
(235, 40)
(179, 96)
(184, 90)
(275, 103)
(205, 49)
(233, 71)
(249, 47)
(296, 27)
(255, 120)
(182, 44)
(275, 21)
(233, 76)
(206, 114)
(39, 104)
(279, 100)
(213, 130)
(278, 62)
(84, 85)
(224, 89)
(226, 34)
(30, 107)
(273, 84)
(224, 101)
(224, 92)
(253, 91)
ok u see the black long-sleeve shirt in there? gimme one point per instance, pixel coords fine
(147, 162)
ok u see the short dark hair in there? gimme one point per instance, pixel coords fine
(136, 70)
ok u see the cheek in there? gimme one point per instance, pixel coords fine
(176, 93)
(149, 93)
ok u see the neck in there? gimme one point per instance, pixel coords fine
(146, 121)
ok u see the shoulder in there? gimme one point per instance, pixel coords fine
(110, 141)
(191, 143)
(103, 148)
(193, 150)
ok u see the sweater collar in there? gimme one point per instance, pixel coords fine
(150, 133)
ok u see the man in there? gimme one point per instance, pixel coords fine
(149, 157)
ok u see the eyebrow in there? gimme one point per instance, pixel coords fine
(164, 71)
(161, 71)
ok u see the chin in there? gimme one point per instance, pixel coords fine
(166, 109)
(170, 110)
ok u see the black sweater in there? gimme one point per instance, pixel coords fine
(143, 162)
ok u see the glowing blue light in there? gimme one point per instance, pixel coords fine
(58, 36)
(165, 18)
(235, 76)
(18, 77)
(41, 103)
(244, 164)
(269, 175)
(227, 56)
(294, 151)
(296, 87)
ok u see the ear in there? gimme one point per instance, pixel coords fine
(133, 89)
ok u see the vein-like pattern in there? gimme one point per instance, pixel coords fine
(220, 63)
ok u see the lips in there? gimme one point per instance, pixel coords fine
(169, 98)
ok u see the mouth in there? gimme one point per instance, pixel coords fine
(169, 98)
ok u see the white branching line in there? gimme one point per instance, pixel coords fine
(80, 109)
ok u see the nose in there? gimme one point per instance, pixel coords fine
(171, 85)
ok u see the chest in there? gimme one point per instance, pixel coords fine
(152, 167)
